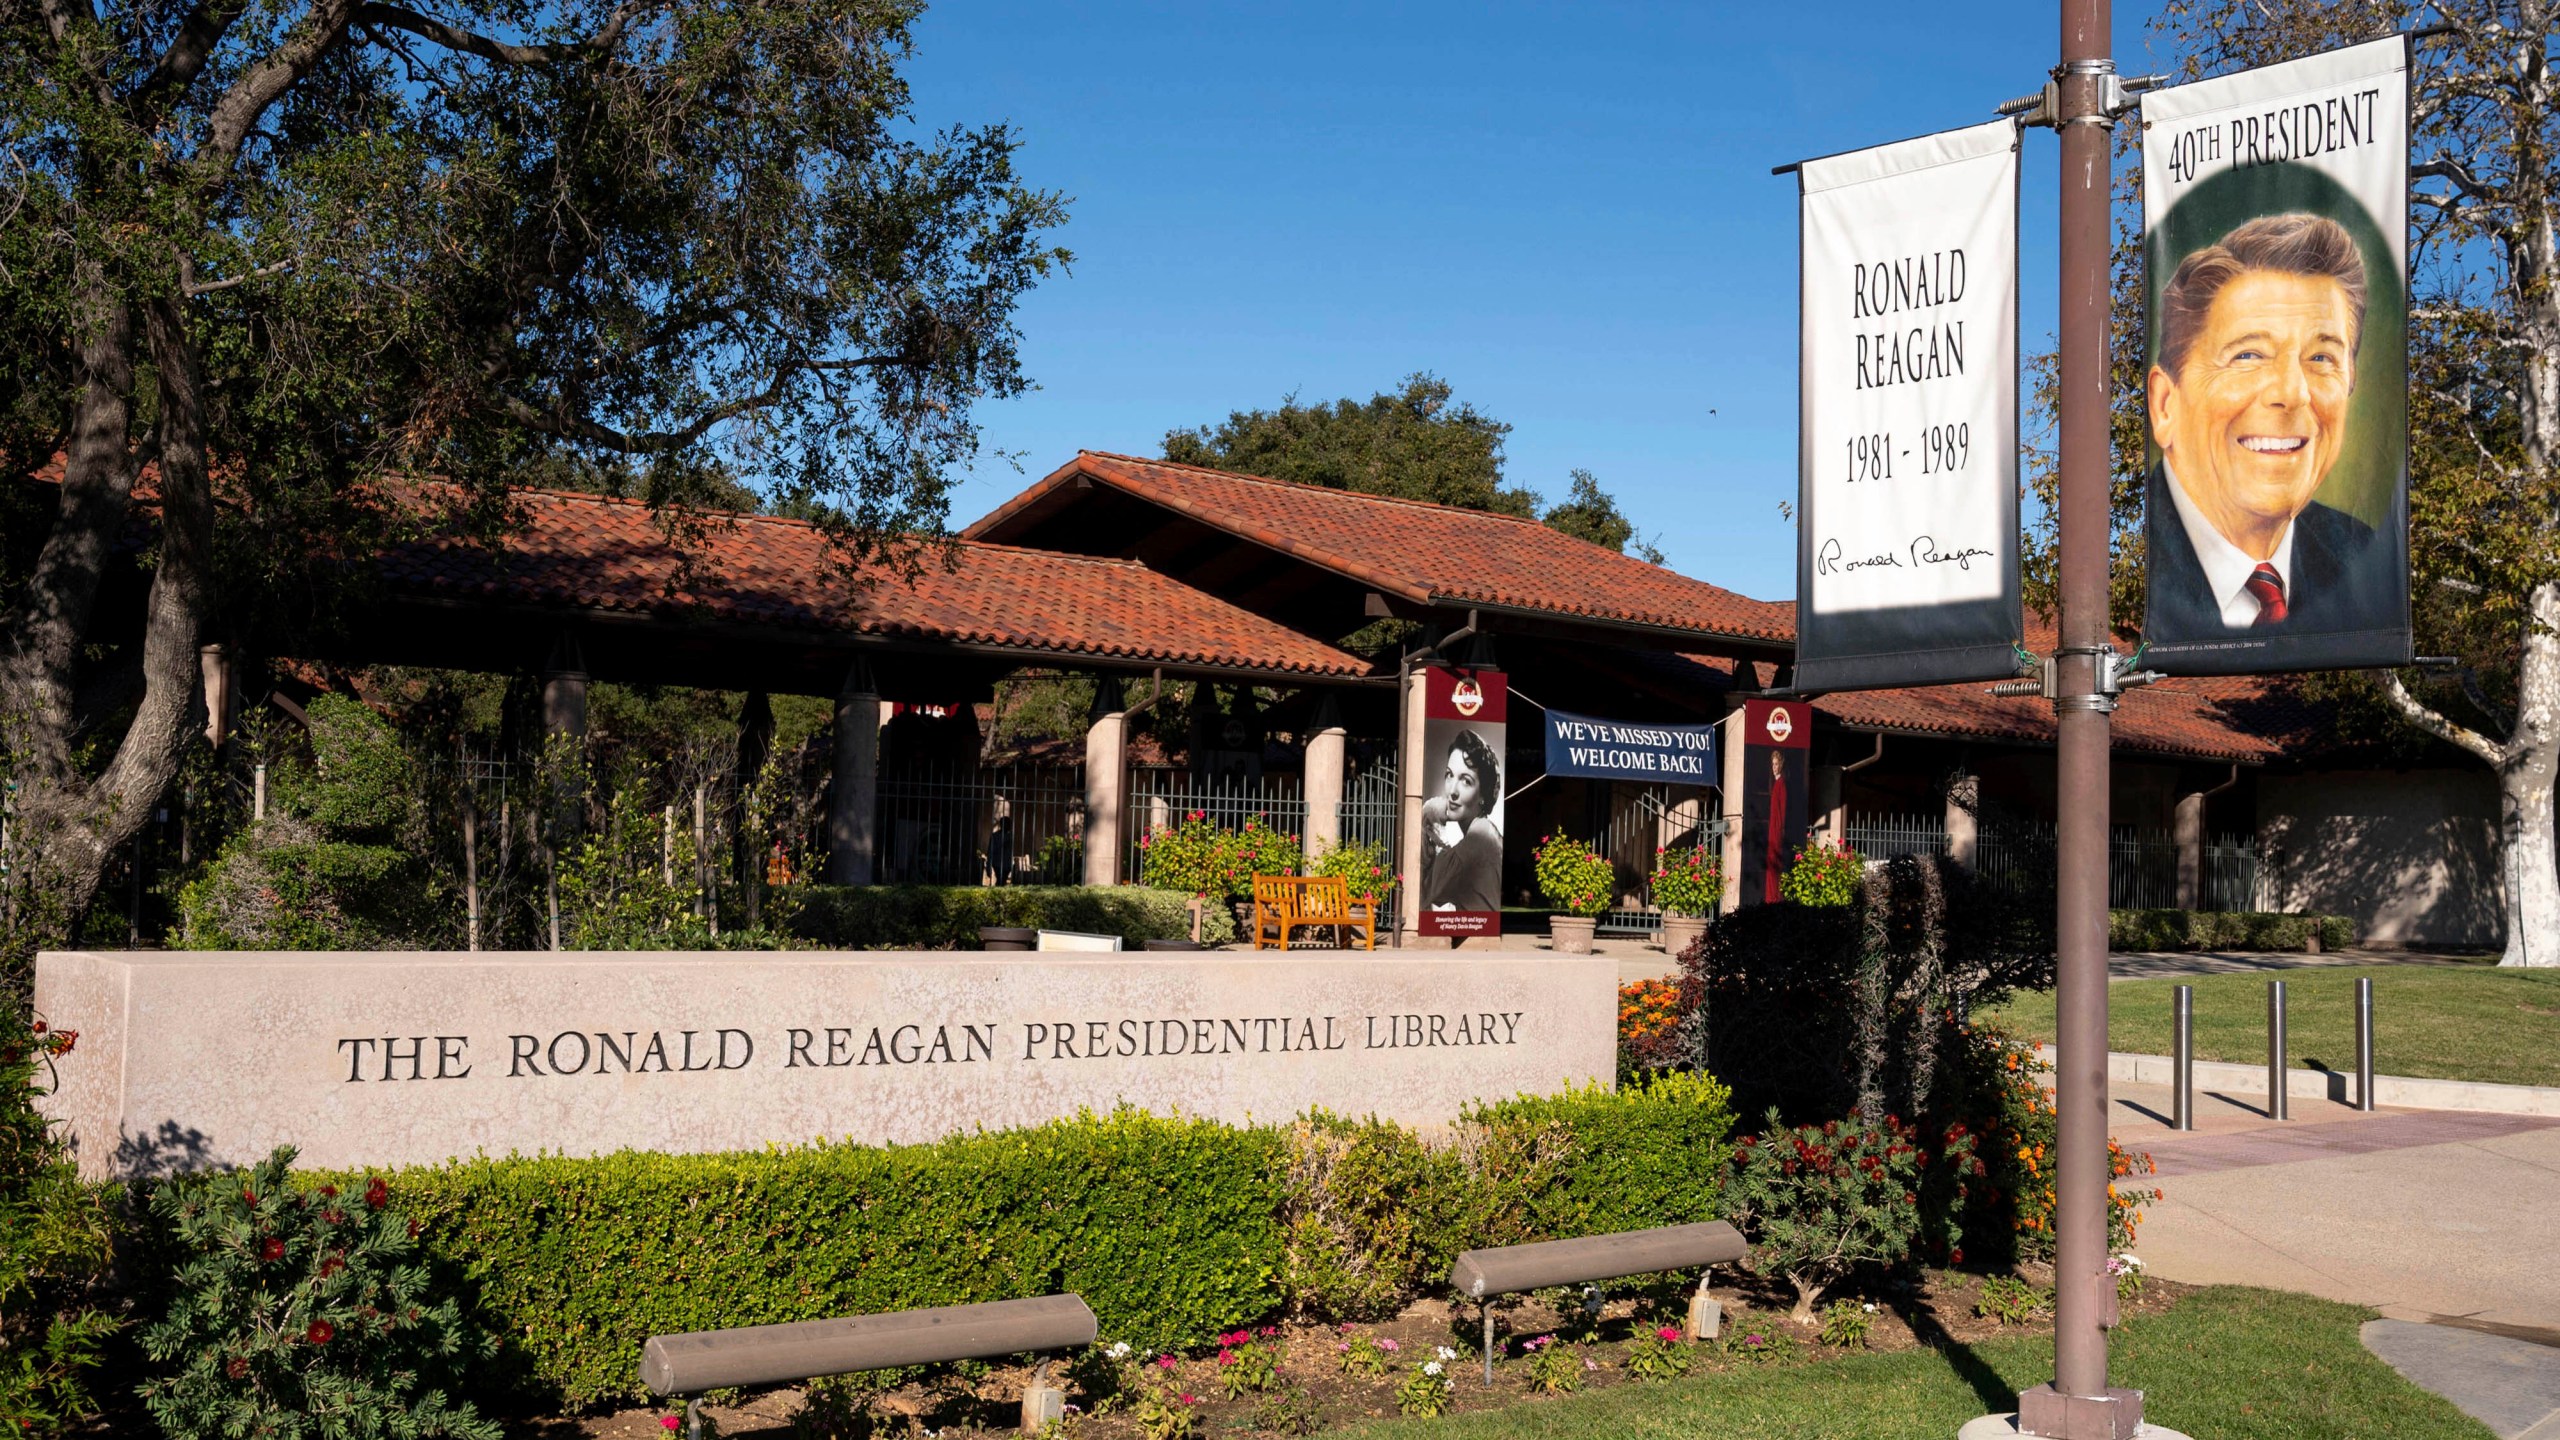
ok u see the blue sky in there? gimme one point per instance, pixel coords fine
(1565, 210)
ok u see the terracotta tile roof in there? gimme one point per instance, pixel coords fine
(596, 553)
(1426, 553)
(2248, 718)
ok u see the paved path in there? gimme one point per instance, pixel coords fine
(2440, 1220)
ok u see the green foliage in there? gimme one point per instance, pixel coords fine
(627, 885)
(1288, 1412)
(1411, 443)
(2225, 930)
(1755, 1344)
(1845, 1324)
(1820, 1201)
(948, 917)
(1427, 1391)
(1641, 1157)
(1363, 866)
(1254, 848)
(1823, 875)
(1660, 1354)
(1361, 1355)
(1163, 1413)
(1199, 857)
(2008, 1300)
(1688, 881)
(1369, 1218)
(337, 864)
(1555, 1368)
(1590, 513)
(1573, 877)
(1248, 1361)
(302, 1312)
(56, 1239)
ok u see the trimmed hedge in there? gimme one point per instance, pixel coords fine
(2224, 930)
(947, 917)
(1173, 1230)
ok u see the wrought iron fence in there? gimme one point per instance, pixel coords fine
(1160, 797)
(972, 824)
(1368, 814)
(2230, 873)
(1882, 837)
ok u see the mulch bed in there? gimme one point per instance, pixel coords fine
(1312, 1393)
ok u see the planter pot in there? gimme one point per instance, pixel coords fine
(1175, 945)
(1679, 932)
(1006, 937)
(1571, 934)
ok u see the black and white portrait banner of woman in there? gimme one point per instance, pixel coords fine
(1907, 554)
(2275, 228)
(1462, 750)
(1578, 745)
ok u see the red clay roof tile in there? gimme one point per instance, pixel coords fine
(594, 552)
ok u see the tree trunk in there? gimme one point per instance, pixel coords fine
(2525, 782)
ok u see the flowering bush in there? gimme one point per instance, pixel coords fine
(1363, 1353)
(302, 1313)
(2008, 1300)
(1687, 881)
(54, 1243)
(2128, 1272)
(1575, 880)
(1845, 1324)
(1426, 1391)
(1823, 875)
(1361, 866)
(1257, 849)
(1820, 1200)
(1246, 1363)
(1662, 1355)
(1199, 857)
(1757, 1345)
(2019, 1140)
(1649, 1023)
(1165, 1413)
(1554, 1368)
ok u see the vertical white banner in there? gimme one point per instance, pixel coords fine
(1907, 557)
(2275, 229)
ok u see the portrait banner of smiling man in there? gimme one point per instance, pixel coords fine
(2275, 236)
(1907, 451)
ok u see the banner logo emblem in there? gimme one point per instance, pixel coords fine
(1780, 724)
(1466, 697)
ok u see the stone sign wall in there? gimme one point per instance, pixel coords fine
(192, 1059)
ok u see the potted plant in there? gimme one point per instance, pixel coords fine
(1578, 885)
(1822, 874)
(1687, 883)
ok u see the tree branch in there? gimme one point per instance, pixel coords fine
(558, 420)
(2479, 698)
(188, 51)
(191, 287)
(394, 17)
(237, 112)
(2434, 724)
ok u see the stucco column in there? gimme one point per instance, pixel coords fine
(564, 702)
(2190, 836)
(216, 664)
(1409, 782)
(853, 812)
(1828, 820)
(1325, 748)
(1730, 763)
(1964, 820)
(1106, 781)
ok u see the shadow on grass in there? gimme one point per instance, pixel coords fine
(1994, 1393)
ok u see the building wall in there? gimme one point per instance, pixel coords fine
(2411, 854)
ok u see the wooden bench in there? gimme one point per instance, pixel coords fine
(702, 1360)
(1482, 1274)
(1283, 903)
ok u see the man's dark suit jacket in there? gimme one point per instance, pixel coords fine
(2341, 582)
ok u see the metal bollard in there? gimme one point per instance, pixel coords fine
(2182, 1071)
(2364, 1043)
(2278, 1106)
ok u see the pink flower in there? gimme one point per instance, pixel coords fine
(1164, 1362)
(1667, 1333)
(1388, 1345)
(1190, 1399)
(669, 1422)
(1226, 1357)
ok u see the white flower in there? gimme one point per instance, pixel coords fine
(1871, 1308)
(1431, 1367)
(1448, 1354)
(1119, 1350)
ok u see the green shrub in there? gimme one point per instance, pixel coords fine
(1688, 881)
(2008, 1300)
(1823, 875)
(1845, 1324)
(1662, 1354)
(1573, 878)
(947, 917)
(1170, 1229)
(1363, 866)
(55, 1242)
(301, 1312)
(1198, 857)
(1818, 1201)
(2224, 930)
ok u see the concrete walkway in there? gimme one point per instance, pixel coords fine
(2439, 1220)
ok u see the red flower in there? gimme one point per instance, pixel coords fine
(237, 1367)
(377, 1194)
(331, 1266)
(63, 1040)
(320, 1332)
(272, 1250)
(39, 1027)
(669, 1422)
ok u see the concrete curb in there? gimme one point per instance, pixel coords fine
(2395, 1090)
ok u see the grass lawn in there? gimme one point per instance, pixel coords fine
(2443, 1022)
(2225, 1362)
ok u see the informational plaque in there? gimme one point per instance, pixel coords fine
(1907, 560)
(1463, 725)
(2275, 220)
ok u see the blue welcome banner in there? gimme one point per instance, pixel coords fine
(1625, 750)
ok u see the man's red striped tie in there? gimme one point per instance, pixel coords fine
(2268, 587)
